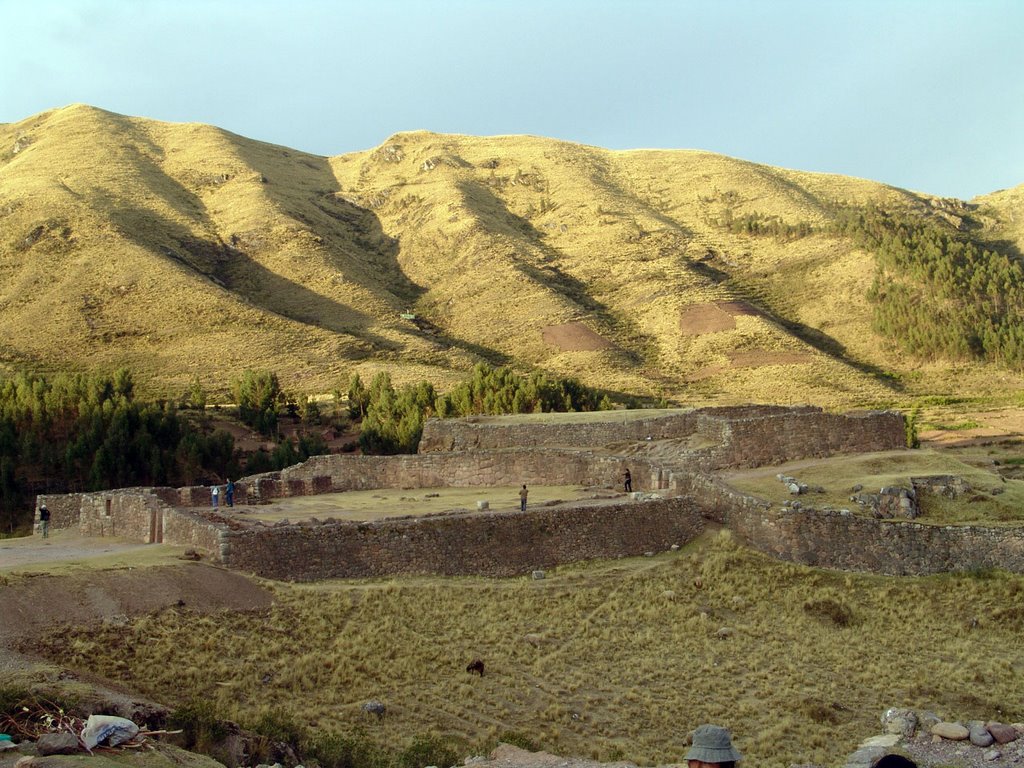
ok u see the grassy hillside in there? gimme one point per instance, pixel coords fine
(182, 250)
(609, 660)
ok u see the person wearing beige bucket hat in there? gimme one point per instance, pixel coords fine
(712, 746)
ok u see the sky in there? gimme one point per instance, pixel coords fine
(922, 94)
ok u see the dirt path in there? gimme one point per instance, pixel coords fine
(62, 546)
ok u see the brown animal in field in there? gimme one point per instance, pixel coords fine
(476, 665)
(698, 583)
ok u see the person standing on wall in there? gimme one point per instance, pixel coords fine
(229, 493)
(628, 481)
(522, 498)
(215, 495)
(44, 521)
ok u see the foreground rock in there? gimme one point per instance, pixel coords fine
(921, 738)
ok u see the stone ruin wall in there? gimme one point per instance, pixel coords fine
(137, 514)
(497, 544)
(743, 435)
(512, 467)
(572, 430)
(506, 543)
(843, 541)
(804, 433)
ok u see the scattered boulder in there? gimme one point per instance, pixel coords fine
(899, 721)
(951, 731)
(1003, 734)
(979, 735)
(57, 744)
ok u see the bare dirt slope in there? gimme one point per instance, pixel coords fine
(32, 605)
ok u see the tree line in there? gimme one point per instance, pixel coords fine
(937, 292)
(392, 419)
(78, 432)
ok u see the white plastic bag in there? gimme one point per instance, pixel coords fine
(113, 730)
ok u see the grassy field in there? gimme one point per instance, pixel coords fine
(838, 475)
(607, 660)
(377, 504)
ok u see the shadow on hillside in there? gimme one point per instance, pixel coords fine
(235, 271)
(813, 337)
(351, 238)
(543, 270)
(374, 260)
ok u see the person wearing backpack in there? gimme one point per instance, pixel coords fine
(44, 521)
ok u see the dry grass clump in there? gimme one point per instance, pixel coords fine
(603, 660)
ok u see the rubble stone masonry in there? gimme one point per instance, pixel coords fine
(570, 450)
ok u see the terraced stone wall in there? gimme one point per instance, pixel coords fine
(569, 430)
(490, 544)
(767, 439)
(464, 469)
(736, 436)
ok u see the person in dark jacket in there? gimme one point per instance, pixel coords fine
(44, 521)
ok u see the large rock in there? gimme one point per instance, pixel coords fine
(1001, 732)
(979, 735)
(952, 731)
(900, 721)
(57, 744)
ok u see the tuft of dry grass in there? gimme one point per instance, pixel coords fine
(623, 657)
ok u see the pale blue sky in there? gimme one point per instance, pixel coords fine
(923, 94)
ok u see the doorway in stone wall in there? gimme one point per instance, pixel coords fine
(156, 526)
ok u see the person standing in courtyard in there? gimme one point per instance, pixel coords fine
(44, 521)
(522, 498)
(627, 481)
(229, 493)
(215, 495)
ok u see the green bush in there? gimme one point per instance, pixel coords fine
(338, 751)
(201, 727)
(831, 610)
(429, 750)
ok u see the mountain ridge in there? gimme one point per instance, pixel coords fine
(184, 250)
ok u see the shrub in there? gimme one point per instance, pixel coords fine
(428, 750)
(829, 609)
(201, 728)
(338, 751)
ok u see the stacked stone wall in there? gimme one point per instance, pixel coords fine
(65, 509)
(137, 514)
(802, 433)
(489, 544)
(334, 473)
(571, 430)
(834, 539)
(502, 544)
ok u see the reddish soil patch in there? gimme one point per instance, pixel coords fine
(574, 337)
(756, 358)
(712, 318)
